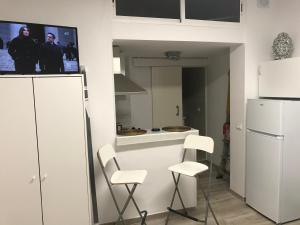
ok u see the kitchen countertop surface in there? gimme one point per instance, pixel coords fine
(153, 136)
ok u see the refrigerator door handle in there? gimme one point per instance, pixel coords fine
(279, 137)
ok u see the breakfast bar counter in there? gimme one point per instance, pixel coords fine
(153, 136)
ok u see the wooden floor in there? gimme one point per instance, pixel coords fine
(229, 209)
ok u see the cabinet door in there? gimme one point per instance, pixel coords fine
(20, 201)
(62, 148)
(167, 96)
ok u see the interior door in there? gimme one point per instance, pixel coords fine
(62, 147)
(167, 96)
(20, 201)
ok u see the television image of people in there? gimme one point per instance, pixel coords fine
(27, 48)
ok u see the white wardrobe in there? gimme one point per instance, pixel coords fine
(43, 156)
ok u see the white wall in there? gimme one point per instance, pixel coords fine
(237, 119)
(172, 30)
(123, 110)
(217, 91)
(259, 29)
(260, 24)
(287, 20)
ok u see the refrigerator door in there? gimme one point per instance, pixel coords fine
(263, 173)
(265, 116)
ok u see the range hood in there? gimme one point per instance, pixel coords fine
(125, 86)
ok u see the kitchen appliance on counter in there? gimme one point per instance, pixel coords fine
(138, 131)
(131, 132)
(176, 128)
(273, 158)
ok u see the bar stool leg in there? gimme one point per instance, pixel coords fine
(118, 209)
(126, 203)
(179, 195)
(136, 206)
(143, 218)
(208, 206)
(112, 193)
(172, 201)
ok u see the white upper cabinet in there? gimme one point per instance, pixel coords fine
(280, 78)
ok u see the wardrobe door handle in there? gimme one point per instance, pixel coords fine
(33, 178)
(177, 107)
(44, 177)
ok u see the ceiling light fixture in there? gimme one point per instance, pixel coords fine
(173, 55)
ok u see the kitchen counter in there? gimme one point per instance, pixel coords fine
(153, 136)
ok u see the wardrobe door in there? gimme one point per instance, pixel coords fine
(62, 148)
(20, 201)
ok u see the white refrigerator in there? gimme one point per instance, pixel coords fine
(273, 158)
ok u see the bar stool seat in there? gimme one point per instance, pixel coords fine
(188, 168)
(128, 177)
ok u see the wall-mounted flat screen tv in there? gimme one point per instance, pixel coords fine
(28, 48)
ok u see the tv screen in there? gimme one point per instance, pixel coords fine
(27, 48)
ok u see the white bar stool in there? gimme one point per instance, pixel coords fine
(121, 177)
(192, 169)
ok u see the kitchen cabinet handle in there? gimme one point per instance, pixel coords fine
(177, 107)
(44, 177)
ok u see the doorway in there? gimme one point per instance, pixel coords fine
(194, 98)
(194, 101)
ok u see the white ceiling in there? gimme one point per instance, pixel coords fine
(142, 48)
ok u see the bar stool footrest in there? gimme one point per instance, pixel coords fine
(185, 215)
(144, 213)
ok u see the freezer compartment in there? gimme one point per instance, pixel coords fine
(263, 173)
(265, 116)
